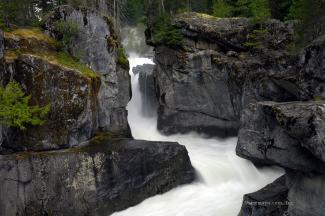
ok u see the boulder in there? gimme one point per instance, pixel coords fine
(269, 201)
(105, 176)
(289, 134)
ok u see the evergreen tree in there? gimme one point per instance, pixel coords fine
(260, 10)
(15, 110)
(222, 8)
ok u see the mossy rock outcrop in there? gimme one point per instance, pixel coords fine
(86, 95)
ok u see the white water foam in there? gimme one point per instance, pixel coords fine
(223, 177)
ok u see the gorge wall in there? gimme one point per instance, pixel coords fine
(204, 84)
(82, 160)
(232, 76)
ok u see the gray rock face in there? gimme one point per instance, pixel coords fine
(73, 118)
(147, 89)
(96, 44)
(97, 180)
(82, 103)
(312, 76)
(287, 134)
(270, 200)
(306, 194)
(216, 73)
(290, 135)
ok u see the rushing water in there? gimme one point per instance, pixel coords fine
(223, 177)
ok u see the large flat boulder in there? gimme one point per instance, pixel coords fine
(100, 178)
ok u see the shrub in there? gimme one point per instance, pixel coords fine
(68, 30)
(165, 33)
(222, 9)
(260, 10)
(257, 39)
(15, 110)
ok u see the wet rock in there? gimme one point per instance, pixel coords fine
(289, 134)
(98, 179)
(270, 200)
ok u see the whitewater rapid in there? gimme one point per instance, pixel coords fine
(223, 177)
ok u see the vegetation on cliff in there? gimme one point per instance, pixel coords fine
(68, 31)
(15, 108)
(165, 33)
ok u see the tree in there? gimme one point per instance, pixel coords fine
(221, 8)
(311, 17)
(15, 109)
(260, 10)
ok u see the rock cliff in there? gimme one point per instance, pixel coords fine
(291, 135)
(83, 100)
(221, 67)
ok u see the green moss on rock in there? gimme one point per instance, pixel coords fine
(122, 59)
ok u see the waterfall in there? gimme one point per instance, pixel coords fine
(223, 177)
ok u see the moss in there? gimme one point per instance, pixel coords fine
(122, 59)
(206, 16)
(30, 34)
(67, 61)
(10, 56)
(102, 142)
(47, 49)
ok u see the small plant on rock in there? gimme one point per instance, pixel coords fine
(68, 30)
(15, 110)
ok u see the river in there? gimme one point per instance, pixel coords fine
(223, 177)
